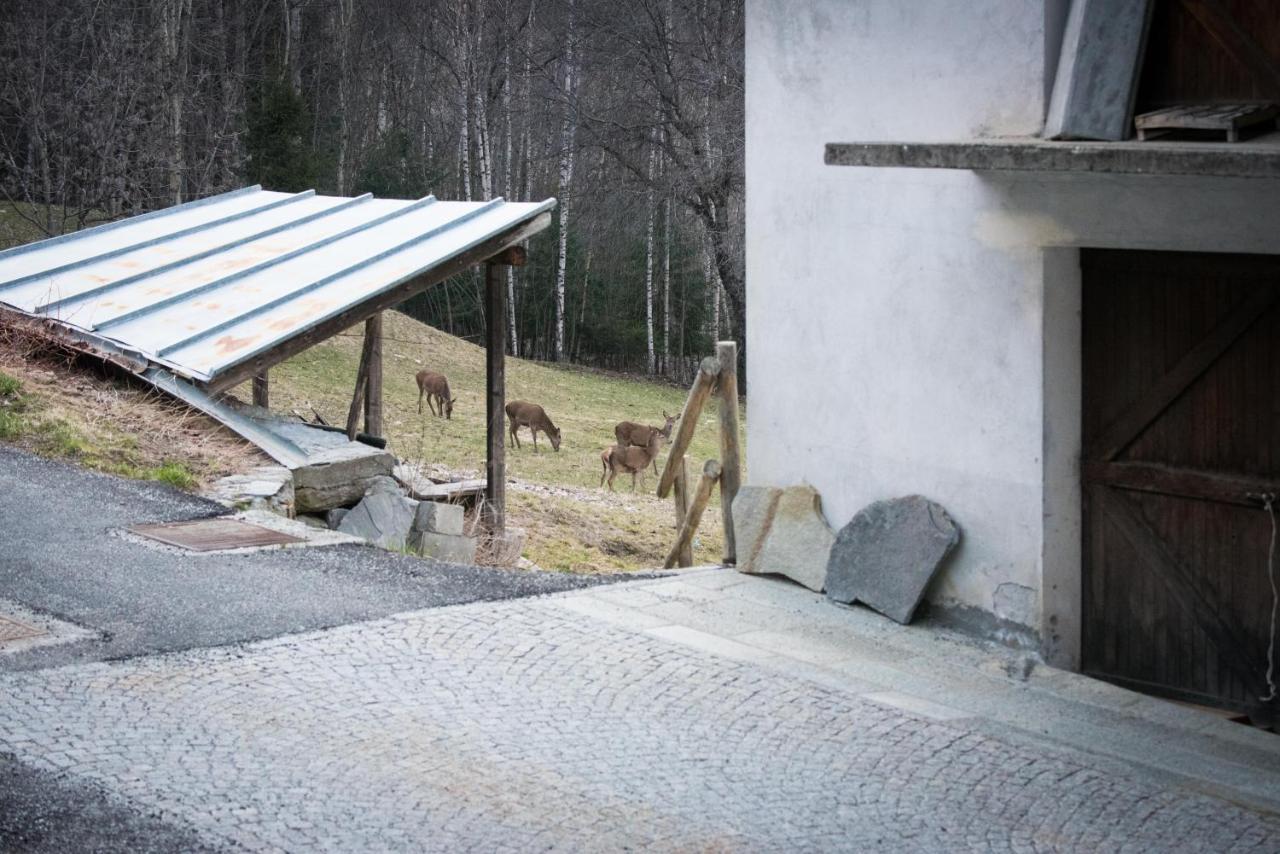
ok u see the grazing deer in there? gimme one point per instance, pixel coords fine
(533, 416)
(436, 388)
(631, 433)
(630, 459)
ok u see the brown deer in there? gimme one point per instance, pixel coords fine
(630, 459)
(533, 416)
(631, 433)
(436, 388)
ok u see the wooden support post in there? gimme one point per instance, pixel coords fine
(698, 394)
(373, 376)
(681, 496)
(357, 398)
(495, 312)
(684, 540)
(261, 397)
(730, 461)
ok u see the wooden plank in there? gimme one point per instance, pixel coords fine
(1130, 423)
(1199, 602)
(495, 312)
(1188, 483)
(261, 392)
(730, 458)
(681, 496)
(373, 376)
(512, 256)
(391, 298)
(357, 397)
(1235, 40)
(684, 539)
(703, 383)
(1217, 117)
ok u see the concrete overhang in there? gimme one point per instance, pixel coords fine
(1257, 158)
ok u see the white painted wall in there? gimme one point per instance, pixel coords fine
(896, 318)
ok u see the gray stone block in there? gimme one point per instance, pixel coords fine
(384, 484)
(339, 477)
(384, 520)
(437, 517)
(888, 553)
(313, 521)
(782, 532)
(334, 517)
(443, 547)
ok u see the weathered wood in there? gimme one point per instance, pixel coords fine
(1130, 424)
(512, 256)
(684, 539)
(357, 397)
(261, 393)
(495, 311)
(730, 458)
(390, 298)
(373, 376)
(681, 496)
(1198, 600)
(1251, 56)
(1229, 118)
(1187, 483)
(701, 389)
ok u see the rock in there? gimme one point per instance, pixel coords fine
(445, 547)
(782, 532)
(262, 488)
(339, 477)
(888, 553)
(436, 517)
(382, 519)
(384, 484)
(334, 517)
(313, 521)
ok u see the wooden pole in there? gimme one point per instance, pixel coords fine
(362, 378)
(730, 461)
(684, 540)
(261, 396)
(373, 376)
(495, 396)
(681, 496)
(703, 383)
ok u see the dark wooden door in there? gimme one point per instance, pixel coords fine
(1181, 432)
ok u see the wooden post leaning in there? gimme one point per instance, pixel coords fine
(373, 376)
(681, 496)
(710, 475)
(362, 379)
(703, 384)
(730, 459)
(261, 390)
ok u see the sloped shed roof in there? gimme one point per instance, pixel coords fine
(203, 287)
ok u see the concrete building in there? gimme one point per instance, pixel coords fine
(919, 330)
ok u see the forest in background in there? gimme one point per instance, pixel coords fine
(629, 112)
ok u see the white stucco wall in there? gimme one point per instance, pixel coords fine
(896, 318)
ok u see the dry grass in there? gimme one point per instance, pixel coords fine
(571, 524)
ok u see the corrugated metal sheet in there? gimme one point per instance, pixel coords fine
(204, 286)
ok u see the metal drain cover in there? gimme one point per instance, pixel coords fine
(12, 630)
(209, 535)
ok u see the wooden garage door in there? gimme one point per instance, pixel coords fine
(1181, 428)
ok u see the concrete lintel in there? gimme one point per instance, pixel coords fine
(1257, 159)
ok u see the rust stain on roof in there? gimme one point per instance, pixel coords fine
(228, 344)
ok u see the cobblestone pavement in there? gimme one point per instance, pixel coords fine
(525, 725)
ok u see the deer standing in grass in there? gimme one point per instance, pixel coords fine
(630, 433)
(533, 416)
(436, 388)
(630, 459)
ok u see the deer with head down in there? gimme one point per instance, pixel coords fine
(436, 388)
(630, 459)
(630, 433)
(533, 416)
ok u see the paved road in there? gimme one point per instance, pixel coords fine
(525, 725)
(62, 553)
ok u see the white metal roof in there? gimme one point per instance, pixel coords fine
(203, 286)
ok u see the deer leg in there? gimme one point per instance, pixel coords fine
(515, 440)
(420, 392)
(612, 474)
(534, 431)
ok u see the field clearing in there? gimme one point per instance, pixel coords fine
(572, 525)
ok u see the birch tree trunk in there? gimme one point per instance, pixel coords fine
(666, 289)
(509, 192)
(346, 11)
(175, 26)
(567, 137)
(648, 267)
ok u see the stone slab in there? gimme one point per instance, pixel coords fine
(445, 547)
(783, 532)
(339, 477)
(261, 488)
(382, 519)
(888, 553)
(437, 517)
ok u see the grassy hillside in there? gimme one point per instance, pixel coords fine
(572, 524)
